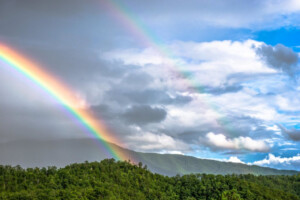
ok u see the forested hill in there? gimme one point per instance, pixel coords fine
(121, 180)
(34, 153)
(170, 164)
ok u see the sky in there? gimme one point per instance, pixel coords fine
(207, 78)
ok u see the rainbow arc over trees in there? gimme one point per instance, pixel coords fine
(64, 95)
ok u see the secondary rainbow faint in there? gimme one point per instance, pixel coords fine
(142, 33)
(147, 37)
(63, 95)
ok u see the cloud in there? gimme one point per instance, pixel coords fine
(103, 111)
(220, 141)
(60, 26)
(232, 13)
(229, 71)
(279, 57)
(203, 65)
(136, 79)
(147, 141)
(288, 102)
(235, 159)
(274, 128)
(280, 162)
(141, 57)
(223, 89)
(146, 96)
(247, 103)
(144, 114)
(189, 116)
(293, 134)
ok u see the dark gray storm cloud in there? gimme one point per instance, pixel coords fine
(279, 57)
(135, 88)
(104, 111)
(144, 114)
(137, 79)
(293, 134)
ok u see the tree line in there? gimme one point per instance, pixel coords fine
(110, 179)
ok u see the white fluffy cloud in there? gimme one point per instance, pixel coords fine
(215, 66)
(248, 104)
(156, 142)
(239, 143)
(213, 62)
(235, 159)
(197, 112)
(280, 162)
(288, 103)
(210, 62)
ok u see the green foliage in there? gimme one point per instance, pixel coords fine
(113, 180)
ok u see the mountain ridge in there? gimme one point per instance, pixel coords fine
(43, 153)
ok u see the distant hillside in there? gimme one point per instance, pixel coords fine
(178, 164)
(63, 152)
(109, 179)
(172, 164)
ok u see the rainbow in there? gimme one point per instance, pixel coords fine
(142, 33)
(136, 27)
(64, 95)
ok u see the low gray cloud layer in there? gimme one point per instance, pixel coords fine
(144, 114)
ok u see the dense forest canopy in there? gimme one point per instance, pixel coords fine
(110, 179)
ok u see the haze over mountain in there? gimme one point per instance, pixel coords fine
(32, 153)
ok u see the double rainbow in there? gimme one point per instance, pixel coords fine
(65, 96)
